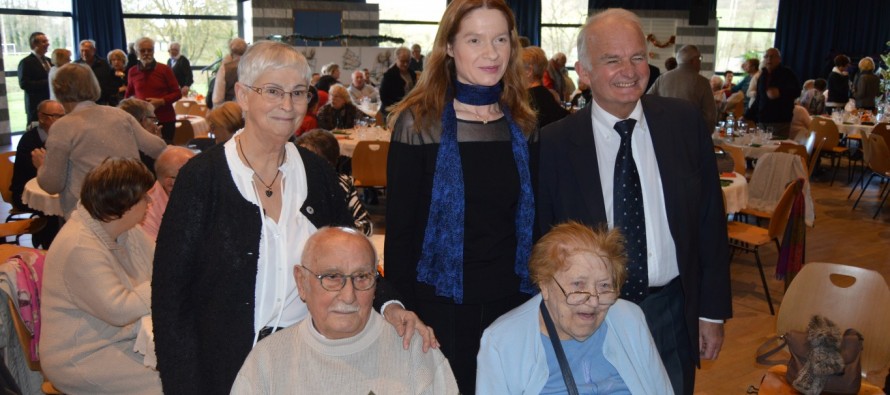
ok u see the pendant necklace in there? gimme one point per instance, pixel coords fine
(247, 161)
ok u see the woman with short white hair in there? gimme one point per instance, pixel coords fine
(339, 113)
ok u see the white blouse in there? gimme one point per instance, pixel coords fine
(281, 244)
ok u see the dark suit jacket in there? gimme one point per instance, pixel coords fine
(34, 80)
(569, 188)
(392, 87)
(23, 170)
(107, 81)
(182, 70)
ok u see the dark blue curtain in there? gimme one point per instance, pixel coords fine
(528, 18)
(810, 34)
(102, 21)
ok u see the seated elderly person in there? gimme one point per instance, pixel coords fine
(224, 120)
(343, 334)
(578, 314)
(166, 167)
(339, 113)
(325, 145)
(31, 149)
(97, 287)
(360, 89)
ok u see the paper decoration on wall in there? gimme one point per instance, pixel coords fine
(309, 54)
(384, 62)
(655, 42)
(351, 60)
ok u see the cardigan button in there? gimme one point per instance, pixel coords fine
(310, 210)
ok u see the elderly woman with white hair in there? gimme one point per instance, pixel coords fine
(576, 333)
(339, 113)
(87, 135)
(235, 227)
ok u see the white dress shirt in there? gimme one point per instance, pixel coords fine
(662, 253)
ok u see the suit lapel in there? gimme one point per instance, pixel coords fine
(663, 142)
(582, 156)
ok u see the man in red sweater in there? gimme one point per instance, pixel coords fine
(155, 83)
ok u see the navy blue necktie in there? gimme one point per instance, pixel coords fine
(628, 215)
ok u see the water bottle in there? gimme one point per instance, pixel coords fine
(730, 125)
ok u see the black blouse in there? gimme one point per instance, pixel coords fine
(491, 185)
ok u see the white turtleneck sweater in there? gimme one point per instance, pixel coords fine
(300, 360)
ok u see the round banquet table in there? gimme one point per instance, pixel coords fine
(348, 139)
(199, 124)
(736, 194)
(38, 199)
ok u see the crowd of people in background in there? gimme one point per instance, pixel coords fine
(516, 234)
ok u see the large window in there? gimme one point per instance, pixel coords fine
(18, 19)
(746, 28)
(561, 21)
(414, 21)
(202, 27)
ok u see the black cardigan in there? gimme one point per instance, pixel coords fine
(205, 270)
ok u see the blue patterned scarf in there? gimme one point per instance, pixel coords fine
(441, 263)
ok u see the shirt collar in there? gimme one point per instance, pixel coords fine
(598, 115)
(42, 133)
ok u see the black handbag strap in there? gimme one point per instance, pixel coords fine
(764, 351)
(560, 354)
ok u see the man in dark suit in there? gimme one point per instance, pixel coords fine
(101, 69)
(33, 74)
(182, 68)
(678, 255)
(397, 81)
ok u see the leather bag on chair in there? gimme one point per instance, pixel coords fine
(822, 360)
(847, 381)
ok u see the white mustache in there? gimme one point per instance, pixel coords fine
(344, 308)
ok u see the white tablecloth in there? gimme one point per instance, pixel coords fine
(350, 140)
(38, 199)
(199, 124)
(736, 193)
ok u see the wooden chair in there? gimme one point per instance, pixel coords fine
(814, 154)
(866, 158)
(882, 129)
(826, 129)
(738, 159)
(184, 133)
(750, 238)
(369, 164)
(7, 166)
(183, 107)
(852, 297)
(795, 149)
(878, 159)
(21, 227)
(25, 337)
(198, 110)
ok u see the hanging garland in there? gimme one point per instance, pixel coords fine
(292, 38)
(670, 41)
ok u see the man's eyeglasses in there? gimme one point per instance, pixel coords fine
(336, 281)
(276, 95)
(153, 120)
(604, 293)
(54, 116)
